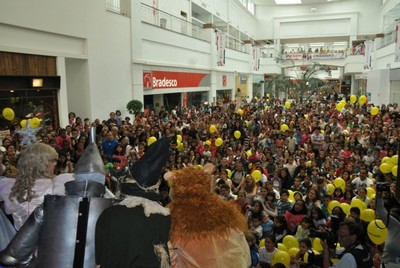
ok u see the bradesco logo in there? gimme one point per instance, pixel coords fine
(160, 79)
(164, 82)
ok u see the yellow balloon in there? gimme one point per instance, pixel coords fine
(377, 232)
(358, 203)
(385, 168)
(339, 183)
(237, 134)
(287, 105)
(282, 247)
(394, 160)
(151, 140)
(8, 114)
(375, 111)
(317, 244)
(208, 142)
(284, 127)
(246, 123)
(346, 208)
(219, 142)
(394, 170)
(367, 215)
(248, 153)
(290, 242)
(339, 106)
(35, 122)
(179, 138)
(291, 195)
(180, 147)
(23, 123)
(262, 243)
(353, 99)
(332, 204)
(293, 251)
(240, 111)
(331, 188)
(370, 191)
(256, 174)
(212, 129)
(362, 100)
(229, 173)
(281, 257)
(386, 159)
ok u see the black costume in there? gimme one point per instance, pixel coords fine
(135, 232)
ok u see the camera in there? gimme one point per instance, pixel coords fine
(324, 235)
(249, 208)
(383, 187)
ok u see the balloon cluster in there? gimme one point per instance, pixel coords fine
(389, 164)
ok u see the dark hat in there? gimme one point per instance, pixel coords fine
(146, 172)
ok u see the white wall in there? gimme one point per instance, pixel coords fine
(378, 85)
(367, 19)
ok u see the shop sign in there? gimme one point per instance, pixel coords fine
(224, 80)
(161, 79)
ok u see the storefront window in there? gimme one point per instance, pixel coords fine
(30, 103)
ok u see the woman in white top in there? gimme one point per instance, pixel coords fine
(34, 180)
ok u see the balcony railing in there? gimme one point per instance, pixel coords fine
(388, 39)
(167, 21)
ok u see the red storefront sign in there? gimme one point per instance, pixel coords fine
(160, 79)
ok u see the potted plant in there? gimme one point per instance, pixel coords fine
(134, 106)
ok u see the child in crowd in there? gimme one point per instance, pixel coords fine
(305, 257)
(303, 230)
(318, 217)
(280, 228)
(325, 203)
(267, 224)
(251, 240)
(256, 229)
(268, 251)
(283, 204)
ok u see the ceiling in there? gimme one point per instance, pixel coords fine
(304, 2)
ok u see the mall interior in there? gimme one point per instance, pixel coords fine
(92, 57)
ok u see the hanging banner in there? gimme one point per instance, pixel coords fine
(220, 42)
(397, 48)
(368, 54)
(256, 58)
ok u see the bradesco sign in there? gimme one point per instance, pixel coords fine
(159, 79)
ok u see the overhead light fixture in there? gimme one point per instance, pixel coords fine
(287, 2)
(37, 82)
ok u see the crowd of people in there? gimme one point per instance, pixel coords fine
(275, 160)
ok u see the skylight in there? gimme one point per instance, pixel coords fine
(287, 2)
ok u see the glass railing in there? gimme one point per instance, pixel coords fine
(167, 21)
(235, 44)
(388, 39)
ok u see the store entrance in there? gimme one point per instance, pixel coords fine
(172, 100)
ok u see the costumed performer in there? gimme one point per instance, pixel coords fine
(60, 232)
(135, 232)
(206, 231)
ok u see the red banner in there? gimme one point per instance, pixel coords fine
(160, 79)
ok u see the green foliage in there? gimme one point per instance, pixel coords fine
(134, 106)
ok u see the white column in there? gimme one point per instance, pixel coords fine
(62, 96)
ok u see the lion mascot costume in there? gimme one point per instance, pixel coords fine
(206, 231)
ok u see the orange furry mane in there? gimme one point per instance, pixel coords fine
(196, 211)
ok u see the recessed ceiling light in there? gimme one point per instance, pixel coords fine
(287, 2)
